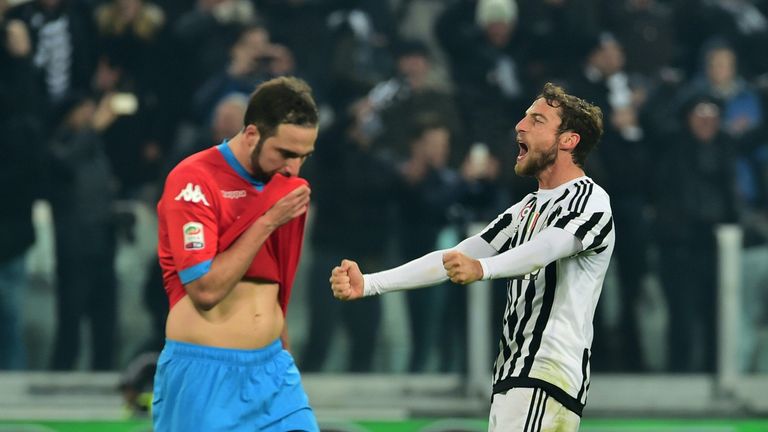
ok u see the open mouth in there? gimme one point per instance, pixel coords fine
(523, 150)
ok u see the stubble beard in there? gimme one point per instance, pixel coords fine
(258, 173)
(537, 162)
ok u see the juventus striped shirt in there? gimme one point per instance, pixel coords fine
(547, 324)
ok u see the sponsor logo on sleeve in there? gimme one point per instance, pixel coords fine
(192, 193)
(193, 236)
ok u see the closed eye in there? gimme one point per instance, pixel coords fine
(287, 154)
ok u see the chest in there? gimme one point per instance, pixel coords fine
(530, 219)
(234, 199)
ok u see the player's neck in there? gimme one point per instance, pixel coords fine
(559, 173)
(241, 151)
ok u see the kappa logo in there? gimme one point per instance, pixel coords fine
(235, 194)
(192, 193)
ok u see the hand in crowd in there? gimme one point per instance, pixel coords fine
(479, 166)
(104, 114)
(17, 39)
(347, 281)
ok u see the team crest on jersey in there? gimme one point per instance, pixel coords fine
(192, 193)
(524, 212)
(193, 236)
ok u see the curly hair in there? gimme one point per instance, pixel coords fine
(578, 116)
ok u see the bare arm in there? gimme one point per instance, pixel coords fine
(229, 266)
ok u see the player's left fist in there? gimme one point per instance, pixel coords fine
(461, 269)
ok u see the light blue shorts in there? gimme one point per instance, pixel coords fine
(201, 388)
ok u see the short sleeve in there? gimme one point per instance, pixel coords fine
(187, 208)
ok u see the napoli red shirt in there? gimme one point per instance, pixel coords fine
(209, 199)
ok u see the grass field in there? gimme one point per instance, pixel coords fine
(418, 426)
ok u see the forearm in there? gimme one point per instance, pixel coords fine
(548, 246)
(229, 266)
(422, 272)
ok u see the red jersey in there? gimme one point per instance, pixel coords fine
(209, 199)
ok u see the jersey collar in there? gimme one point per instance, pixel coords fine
(235, 165)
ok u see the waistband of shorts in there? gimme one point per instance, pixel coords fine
(224, 355)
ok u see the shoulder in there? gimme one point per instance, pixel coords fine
(528, 199)
(585, 196)
(598, 197)
(193, 178)
(198, 167)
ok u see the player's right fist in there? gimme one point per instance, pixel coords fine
(347, 281)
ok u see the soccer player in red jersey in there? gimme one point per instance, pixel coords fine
(231, 222)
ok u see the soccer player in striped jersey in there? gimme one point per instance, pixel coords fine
(554, 248)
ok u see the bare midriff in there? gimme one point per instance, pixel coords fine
(248, 318)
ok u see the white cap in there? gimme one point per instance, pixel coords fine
(490, 11)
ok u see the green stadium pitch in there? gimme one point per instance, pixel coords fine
(424, 425)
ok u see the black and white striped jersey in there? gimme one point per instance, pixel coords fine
(547, 326)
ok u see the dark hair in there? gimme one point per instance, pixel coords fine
(578, 116)
(410, 47)
(283, 100)
(423, 123)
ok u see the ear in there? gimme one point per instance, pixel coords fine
(251, 135)
(569, 140)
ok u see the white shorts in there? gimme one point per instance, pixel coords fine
(530, 410)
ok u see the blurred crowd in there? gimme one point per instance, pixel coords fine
(419, 99)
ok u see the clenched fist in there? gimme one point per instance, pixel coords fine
(347, 281)
(461, 269)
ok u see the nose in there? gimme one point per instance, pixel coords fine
(519, 126)
(292, 166)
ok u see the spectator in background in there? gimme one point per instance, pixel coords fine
(253, 60)
(397, 103)
(625, 152)
(312, 47)
(646, 32)
(360, 56)
(430, 190)
(720, 78)
(619, 165)
(132, 30)
(130, 139)
(740, 22)
(551, 28)
(695, 185)
(486, 57)
(353, 210)
(202, 39)
(21, 147)
(81, 194)
(602, 78)
(63, 47)
(226, 121)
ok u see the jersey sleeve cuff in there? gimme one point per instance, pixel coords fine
(369, 286)
(486, 271)
(195, 272)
